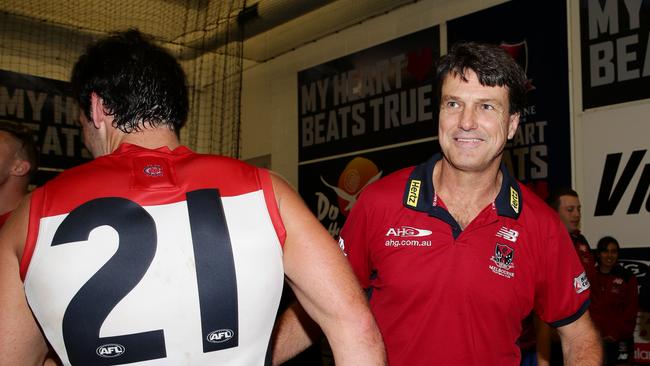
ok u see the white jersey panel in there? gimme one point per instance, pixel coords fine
(166, 297)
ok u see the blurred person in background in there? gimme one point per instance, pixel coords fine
(567, 204)
(614, 303)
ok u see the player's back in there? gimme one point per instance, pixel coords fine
(168, 257)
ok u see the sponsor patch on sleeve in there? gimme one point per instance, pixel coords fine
(581, 283)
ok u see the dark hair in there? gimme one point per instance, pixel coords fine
(553, 199)
(493, 66)
(139, 82)
(604, 242)
(25, 138)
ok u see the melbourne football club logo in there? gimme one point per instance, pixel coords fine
(503, 259)
(356, 176)
(519, 52)
(503, 256)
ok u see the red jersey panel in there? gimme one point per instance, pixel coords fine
(156, 257)
(446, 296)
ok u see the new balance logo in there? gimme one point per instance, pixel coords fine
(508, 234)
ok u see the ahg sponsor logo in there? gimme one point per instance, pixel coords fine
(408, 232)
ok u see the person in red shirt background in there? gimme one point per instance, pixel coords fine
(566, 203)
(614, 303)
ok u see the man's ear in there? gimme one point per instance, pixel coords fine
(97, 111)
(513, 123)
(20, 168)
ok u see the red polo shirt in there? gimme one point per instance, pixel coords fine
(446, 296)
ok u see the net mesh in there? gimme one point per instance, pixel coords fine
(44, 38)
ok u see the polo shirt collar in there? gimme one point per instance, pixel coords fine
(420, 195)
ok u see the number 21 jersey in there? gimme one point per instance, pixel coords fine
(156, 257)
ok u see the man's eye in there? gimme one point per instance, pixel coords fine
(452, 104)
(487, 107)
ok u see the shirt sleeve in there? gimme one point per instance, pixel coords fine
(562, 293)
(353, 240)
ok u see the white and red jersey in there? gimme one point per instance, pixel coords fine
(443, 295)
(156, 257)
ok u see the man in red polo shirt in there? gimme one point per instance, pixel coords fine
(455, 251)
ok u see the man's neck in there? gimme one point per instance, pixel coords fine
(466, 193)
(470, 187)
(150, 138)
(11, 193)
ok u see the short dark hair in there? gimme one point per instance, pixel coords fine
(604, 242)
(493, 66)
(25, 138)
(139, 82)
(553, 199)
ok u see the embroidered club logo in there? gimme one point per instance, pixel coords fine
(503, 256)
(503, 259)
(153, 170)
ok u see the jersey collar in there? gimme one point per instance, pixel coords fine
(420, 194)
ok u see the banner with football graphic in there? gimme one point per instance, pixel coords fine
(363, 116)
(331, 187)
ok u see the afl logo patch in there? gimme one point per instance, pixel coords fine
(110, 350)
(153, 170)
(220, 336)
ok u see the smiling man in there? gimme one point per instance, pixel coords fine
(455, 251)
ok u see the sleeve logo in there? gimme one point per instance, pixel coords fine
(581, 283)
